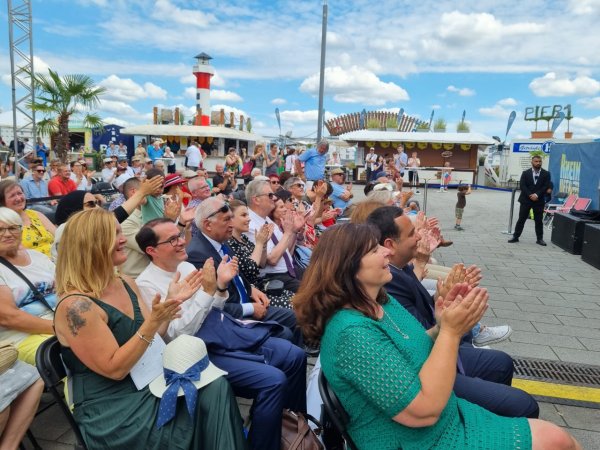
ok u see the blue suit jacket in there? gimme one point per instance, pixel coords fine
(410, 293)
(199, 250)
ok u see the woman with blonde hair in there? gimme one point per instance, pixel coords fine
(259, 156)
(104, 331)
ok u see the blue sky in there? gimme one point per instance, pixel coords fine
(485, 57)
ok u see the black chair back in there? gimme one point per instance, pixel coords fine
(335, 411)
(52, 372)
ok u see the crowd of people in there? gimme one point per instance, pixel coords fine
(235, 284)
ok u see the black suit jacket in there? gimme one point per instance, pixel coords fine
(199, 250)
(528, 187)
(410, 293)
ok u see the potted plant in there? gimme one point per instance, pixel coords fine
(568, 117)
(439, 125)
(391, 124)
(423, 127)
(463, 127)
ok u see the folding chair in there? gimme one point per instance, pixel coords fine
(582, 204)
(335, 411)
(552, 208)
(52, 371)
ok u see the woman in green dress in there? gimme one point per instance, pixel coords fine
(394, 378)
(104, 332)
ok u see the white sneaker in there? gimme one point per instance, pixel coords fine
(492, 335)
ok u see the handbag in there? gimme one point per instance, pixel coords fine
(36, 293)
(296, 434)
(8, 356)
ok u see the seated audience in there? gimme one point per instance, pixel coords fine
(274, 383)
(252, 257)
(19, 399)
(38, 231)
(25, 314)
(109, 173)
(81, 176)
(104, 331)
(36, 187)
(393, 377)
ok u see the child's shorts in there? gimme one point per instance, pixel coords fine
(458, 212)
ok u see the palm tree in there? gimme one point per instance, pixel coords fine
(58, 98)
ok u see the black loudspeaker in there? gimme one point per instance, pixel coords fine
(567, 232)
(590, 250)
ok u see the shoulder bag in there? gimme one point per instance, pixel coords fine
(296, 434)
(36, 293)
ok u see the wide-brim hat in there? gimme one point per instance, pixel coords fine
(189, 174)
(337, 172)
(107, 160)
(173, 179)
(179, 355)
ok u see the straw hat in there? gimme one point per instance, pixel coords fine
(180, 354)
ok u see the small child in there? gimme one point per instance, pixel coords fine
(462, 192)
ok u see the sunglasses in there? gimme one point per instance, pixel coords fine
(299, 185)
(270, 194)
(223, 209)
(275, 182)
(40, 170)
(92, 203)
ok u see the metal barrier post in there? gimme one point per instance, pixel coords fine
(425, 196)
(512, 211)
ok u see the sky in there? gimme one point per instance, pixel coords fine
(487, 58)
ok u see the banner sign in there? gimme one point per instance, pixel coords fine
(574, 170)
(526, 147)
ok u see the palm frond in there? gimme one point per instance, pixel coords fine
(47, 126)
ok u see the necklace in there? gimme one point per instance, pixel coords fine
(405, 336)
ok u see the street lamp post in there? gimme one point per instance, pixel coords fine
(322, 72)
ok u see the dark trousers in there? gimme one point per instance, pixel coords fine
(538, 213)
(290, 283)
(413, 176)
(368, 172)
(278, 383)
(488, 374)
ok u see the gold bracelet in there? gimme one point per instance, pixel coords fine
(141, 336)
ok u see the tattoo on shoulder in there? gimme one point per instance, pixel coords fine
(75, 319)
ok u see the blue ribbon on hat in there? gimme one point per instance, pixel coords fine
(174, 381)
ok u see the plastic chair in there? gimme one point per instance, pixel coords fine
(52, 371)
(335, 411)
(552, 208)
(582, 204)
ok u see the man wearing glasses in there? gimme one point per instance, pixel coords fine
(37, 187)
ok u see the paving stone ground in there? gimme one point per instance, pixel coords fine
(550, 298)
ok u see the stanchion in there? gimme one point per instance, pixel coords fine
(425, 195)
(512, 210)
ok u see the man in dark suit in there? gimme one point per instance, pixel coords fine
(534, 184)
(213, 218)
(483, 375)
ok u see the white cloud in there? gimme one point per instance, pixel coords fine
(584, 7)
(554, 85)
(228, 109)
(355, 85)
(225, 96)
(509, 101)
(126, 89)
(278, 101)
(436, 106)
(498, 111)
(297, 116)
(116, 121)
(189, 17)
(117, 107)
(216, 80)
(585, 128)
(463, 92)
(590, 103)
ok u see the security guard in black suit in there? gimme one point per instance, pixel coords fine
(534, 184)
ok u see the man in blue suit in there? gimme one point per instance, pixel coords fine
(484, 375)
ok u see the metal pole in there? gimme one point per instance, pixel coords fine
(31, 67)
(512, 211)
(424, 195)
(322, 72)
(13, 86)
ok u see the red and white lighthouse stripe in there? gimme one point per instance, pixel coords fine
(203, 74)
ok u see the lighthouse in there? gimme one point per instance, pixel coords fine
(203, 72)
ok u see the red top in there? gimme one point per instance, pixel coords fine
(57, 186)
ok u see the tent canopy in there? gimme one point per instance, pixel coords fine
(398, 136)
(191, 130)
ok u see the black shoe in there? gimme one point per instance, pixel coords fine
(513, 240)
(541, 242)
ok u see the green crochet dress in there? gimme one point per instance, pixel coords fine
(115, 415)
(373, 367)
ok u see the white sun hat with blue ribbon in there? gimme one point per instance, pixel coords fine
(186, 368)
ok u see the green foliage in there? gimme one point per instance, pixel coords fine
(391, 123)
(463, 127)
(373, 123)
(439, 124)
(423, 126)
(248, 125)
(539, 153)
(59, 98)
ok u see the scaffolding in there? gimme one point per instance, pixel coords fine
(20, 35)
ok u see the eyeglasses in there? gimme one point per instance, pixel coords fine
(40, 170)
(92, 203)
(174, 240)
(275, 182)
(270, 194)
(301, 185)
(223, 209)
(14, 229)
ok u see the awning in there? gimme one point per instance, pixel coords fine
(398, 136)
(191, 130)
